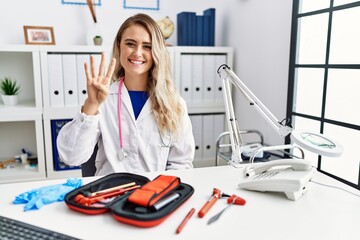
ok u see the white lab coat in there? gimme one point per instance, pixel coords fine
(145, 149)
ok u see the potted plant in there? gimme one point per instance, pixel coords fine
(97, 40)
(9, 89)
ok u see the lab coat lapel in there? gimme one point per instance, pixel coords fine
(145, 111)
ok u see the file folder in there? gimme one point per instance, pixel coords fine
(199, 31)
(70, 80)
(219, 60)
(211, 35)
(182, 29)
(81, 76)
(197, 78)
(208, 137)
(210, 77)
(186, 77)
(56, 85)
(196, 121)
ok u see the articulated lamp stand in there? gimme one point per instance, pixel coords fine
(314, 142)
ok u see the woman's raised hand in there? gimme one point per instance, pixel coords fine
(97, 84)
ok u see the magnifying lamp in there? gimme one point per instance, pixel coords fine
(314, 142)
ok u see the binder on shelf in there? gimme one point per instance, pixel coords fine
(185, 72)
(211, 13)
(219, 60)
(197, 78)
(56, 85)
(182, 36)
(70, 79)
(206, 31)
(56, 125)
(196, 121)
(208, 137)
(186, 27)
(81, 77)
(199, 30)
(192, 29)
(210, 77)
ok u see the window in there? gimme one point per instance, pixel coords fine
(324, 80)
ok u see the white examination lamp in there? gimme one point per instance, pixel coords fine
(314, 142)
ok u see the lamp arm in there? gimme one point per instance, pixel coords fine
(314, 142)
(226, 74)
(234, 133)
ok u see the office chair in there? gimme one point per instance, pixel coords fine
(88, 169)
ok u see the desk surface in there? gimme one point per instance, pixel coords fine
(322, 213)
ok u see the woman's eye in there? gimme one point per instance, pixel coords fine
(148, 47)
(130, 44)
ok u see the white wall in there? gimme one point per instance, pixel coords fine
(260, 33)
(258, 30)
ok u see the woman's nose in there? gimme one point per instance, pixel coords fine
(138, 51)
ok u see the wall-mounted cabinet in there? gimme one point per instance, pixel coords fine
(54, 87)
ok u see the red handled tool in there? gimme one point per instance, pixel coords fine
(216, 195)
(233, 199)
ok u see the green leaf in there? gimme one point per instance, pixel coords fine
(9, 86)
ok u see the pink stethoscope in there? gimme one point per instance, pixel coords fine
(121, 154)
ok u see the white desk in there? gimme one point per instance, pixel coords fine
(322, 213)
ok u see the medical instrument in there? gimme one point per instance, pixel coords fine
(314, 142)
(87, 201)
(217, 194)
(186, 219)
(159, 204)
(91, 194)
(162, 140)
(163, 202)
(233, 199)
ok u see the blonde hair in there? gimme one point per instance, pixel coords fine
(166, 101)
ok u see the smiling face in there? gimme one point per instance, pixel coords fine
(135, 52)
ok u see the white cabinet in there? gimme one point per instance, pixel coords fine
(21, 126)
(53, 86)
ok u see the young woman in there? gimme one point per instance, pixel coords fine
(139, 122)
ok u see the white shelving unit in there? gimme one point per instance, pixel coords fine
(21, 126)
(61, 112)
(28, 124)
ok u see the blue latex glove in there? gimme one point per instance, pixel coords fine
(36, 198)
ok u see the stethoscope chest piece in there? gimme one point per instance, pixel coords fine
(121, 155)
